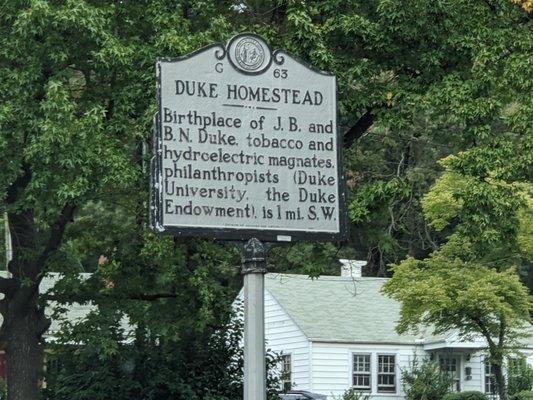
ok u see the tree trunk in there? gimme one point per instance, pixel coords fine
(24, 321)
(501, 384)
(23, 354)
(496, 361)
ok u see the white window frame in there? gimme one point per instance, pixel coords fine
(369, 373)
(374, 369)
(395, 373)
(459, 359)
(487, 363)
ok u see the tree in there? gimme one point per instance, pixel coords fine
(519, 375)
(148, 363)
(76, 86)
(470, 284)
(442, 83)
(76, 81)
(424, 380)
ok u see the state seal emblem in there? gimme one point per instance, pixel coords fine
(249, 54)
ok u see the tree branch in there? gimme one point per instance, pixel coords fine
(138, 296)
(152, 296)
(501, 336)
(8, 286)
(279, 13)
(56, 233)
(484, 331)
(361, 126)
(43, 323)
(19, 184)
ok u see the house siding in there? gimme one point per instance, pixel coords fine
(284, 336)
(322, 357)
(332, 366)
(528, 354)
(477, 365)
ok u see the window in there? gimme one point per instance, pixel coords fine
(286, 368)
(361, 372)
(450, 364)
(490, 383)
(386, 373)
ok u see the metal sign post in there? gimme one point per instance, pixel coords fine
(247, 148)
(254, 269)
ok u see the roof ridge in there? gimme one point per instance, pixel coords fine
(325, 277)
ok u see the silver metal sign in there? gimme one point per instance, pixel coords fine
(247, 145)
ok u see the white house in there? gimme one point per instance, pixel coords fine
(73, 313)
(336, 332)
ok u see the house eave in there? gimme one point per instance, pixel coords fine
(363, 342)
(454, 345)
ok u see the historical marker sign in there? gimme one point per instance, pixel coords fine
(246, 144)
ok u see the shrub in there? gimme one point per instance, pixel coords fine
(520, 376)
(353, 394)
(523, 395)
(3, 389)
(467, 395)
(425, 381)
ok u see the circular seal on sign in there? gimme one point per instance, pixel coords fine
(249, 54)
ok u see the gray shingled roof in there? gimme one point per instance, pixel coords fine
(334, 308)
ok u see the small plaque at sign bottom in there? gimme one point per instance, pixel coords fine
(284, 238)
(246, 145)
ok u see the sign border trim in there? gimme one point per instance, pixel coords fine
(267, 235)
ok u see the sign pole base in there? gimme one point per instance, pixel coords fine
(254, 269)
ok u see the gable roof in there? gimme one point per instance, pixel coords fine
(334, 308)
(353, 310)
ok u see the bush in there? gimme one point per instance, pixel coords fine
(425, 381)
(520, 376)
(353, 394)
(467, 395)
(523, 395)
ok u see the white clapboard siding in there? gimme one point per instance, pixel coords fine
(477, 377)
(529, 356)
(322, 350)
(284, 336)
(331, 364)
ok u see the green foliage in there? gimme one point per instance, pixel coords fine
(523, 395)
(425, 381)
(147, 364)
(313, 259)
(467, 395)
(353, 394)
(471, 283)
(447, 293)
(438, 95)
(519, 376)
(440, 204)
(3, 389)
(431, 78)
